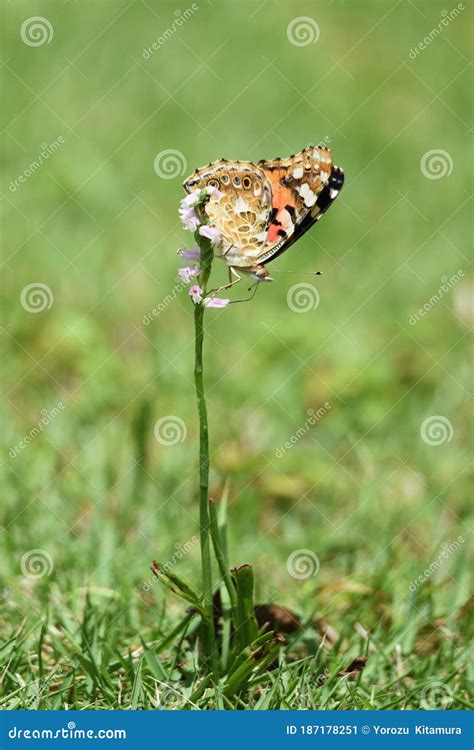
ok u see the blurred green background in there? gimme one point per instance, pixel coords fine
(99, 227)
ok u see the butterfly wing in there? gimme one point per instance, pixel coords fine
(243, 212)
(267, 206)
(303, 188)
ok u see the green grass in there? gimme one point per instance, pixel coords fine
(360, 489)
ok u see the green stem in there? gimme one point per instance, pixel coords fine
(221, 561)
(209, 637)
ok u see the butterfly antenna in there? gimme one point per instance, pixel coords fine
(300, 273)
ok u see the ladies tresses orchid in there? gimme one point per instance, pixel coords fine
(189, 211)
(212, 233)
(195, 292)
(197, 268)
(193, 254)
(188, 217)
(188, 272)
(216, 302)
(190, 200)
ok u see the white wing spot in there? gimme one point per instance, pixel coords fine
(307, 194)
(241, 206)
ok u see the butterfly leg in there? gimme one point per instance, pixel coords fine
(231, 281)
(247, 299)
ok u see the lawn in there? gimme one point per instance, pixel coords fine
(375, 492)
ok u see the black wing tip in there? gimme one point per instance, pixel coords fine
(336, 178)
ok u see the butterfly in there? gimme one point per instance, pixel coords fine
(265, 207)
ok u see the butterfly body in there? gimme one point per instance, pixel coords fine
(265, 207)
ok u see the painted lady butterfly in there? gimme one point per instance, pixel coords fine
(265, 207)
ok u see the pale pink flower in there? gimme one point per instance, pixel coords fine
(188, 272)
(212, 233)
(194, 254)
(195, 292)
(188, 217)
(190, 200)
(216, 302)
